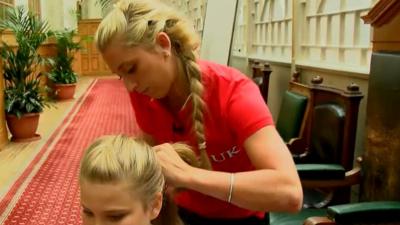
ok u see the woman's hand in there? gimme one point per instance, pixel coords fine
(176, 171)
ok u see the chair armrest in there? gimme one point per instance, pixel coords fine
(351, 177)
(371, 212)
(320, 171)
(297, 146)
(359, 213)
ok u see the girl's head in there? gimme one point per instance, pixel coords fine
(153, 48)
(121, 182)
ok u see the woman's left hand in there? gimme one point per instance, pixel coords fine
(175, 170)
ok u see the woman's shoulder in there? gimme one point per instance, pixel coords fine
(215, 73)
(223, 83)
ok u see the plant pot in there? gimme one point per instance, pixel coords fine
(64, 91)
(24, 128)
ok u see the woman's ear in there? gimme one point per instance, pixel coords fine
(163, 40)
(156, 206)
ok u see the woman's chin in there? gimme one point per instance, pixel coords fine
(154, 96)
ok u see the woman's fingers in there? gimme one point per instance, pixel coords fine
(174, 168)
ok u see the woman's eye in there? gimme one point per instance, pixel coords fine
(131, 70)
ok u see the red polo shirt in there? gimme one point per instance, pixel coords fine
(235, 110)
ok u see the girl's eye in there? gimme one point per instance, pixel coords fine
(87, 213)
(116, 217)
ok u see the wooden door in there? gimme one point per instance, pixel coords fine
(91, 61)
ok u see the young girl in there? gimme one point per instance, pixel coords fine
(122, 183)
(246, 168)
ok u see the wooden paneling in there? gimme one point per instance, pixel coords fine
(382, 154)
(3, 127)
(47, 50)
(387, 38)
(4, 4)
(91, 61)
(384, 17)
(381, 159)
(9, 38)
(34, 7)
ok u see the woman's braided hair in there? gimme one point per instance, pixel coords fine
(138, 22)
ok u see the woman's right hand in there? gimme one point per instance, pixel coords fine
(176, 171)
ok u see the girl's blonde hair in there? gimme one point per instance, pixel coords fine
(137, 22)
(125, 159)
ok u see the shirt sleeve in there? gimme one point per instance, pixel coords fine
(246, 110)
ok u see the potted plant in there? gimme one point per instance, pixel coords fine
(23, 92)
(62, 76)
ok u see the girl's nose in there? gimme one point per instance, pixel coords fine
(99, 222)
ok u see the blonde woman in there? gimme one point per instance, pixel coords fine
(121, 182)
(246, 169)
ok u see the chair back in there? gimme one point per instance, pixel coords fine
(294, 116)
(326, 133)
(333, 124)
(291, 115)
(261, 74)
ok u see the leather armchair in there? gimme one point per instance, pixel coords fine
(326, 177)
(377, 212)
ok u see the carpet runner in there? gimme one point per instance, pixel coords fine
(48, 192)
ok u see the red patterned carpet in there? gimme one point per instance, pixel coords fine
(47, 192)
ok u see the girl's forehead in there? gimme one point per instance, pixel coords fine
(117, 192)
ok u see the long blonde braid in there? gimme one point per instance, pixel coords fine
(185, 42)
(196, 88)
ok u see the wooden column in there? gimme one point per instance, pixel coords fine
(381, 164)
